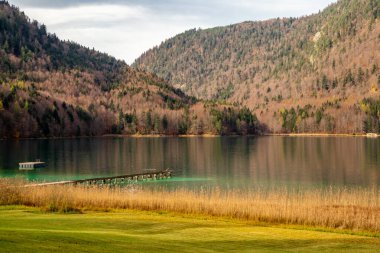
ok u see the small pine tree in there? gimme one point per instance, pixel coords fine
(374, 69)
(156, 125)
(165, 122)
(148, 122)
(360, 75)
(78, 133)
(6, 46)
(325, 82)
(26, 105)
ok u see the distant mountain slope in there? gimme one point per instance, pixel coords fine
(52, 88)
(311, 74)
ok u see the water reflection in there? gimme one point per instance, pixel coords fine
(227, 161)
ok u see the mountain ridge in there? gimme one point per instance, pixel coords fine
(310, 74)
(54, 88)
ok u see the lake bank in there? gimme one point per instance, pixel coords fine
(25, 229)
(207, 135)
(235, 135)
(323, 135)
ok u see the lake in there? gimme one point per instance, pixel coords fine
(236, 162)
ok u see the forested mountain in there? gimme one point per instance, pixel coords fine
(317, 73)
(54, 88)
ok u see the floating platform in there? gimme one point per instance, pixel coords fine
(32, 165)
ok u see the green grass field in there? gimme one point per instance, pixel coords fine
(24, 229)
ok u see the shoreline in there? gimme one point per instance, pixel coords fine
(368, 135)
(324, 135)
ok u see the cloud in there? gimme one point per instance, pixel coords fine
(127, 28)
(276, 8)
(86, 16)
(122, 31)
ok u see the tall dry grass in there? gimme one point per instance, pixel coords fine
(354, 209)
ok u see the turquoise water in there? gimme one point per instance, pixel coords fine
(223, 161)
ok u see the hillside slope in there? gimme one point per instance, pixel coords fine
(54, 88)
(318, 73)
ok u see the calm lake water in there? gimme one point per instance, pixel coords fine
(225, 161)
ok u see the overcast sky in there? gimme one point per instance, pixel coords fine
(127, 28)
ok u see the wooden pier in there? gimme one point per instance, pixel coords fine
(116, 180)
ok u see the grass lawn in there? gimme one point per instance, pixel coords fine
(24, 229)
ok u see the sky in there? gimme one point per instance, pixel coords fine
(127, 28)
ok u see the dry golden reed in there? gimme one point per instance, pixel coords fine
(354, 209)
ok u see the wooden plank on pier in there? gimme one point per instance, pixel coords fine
(52, 183)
